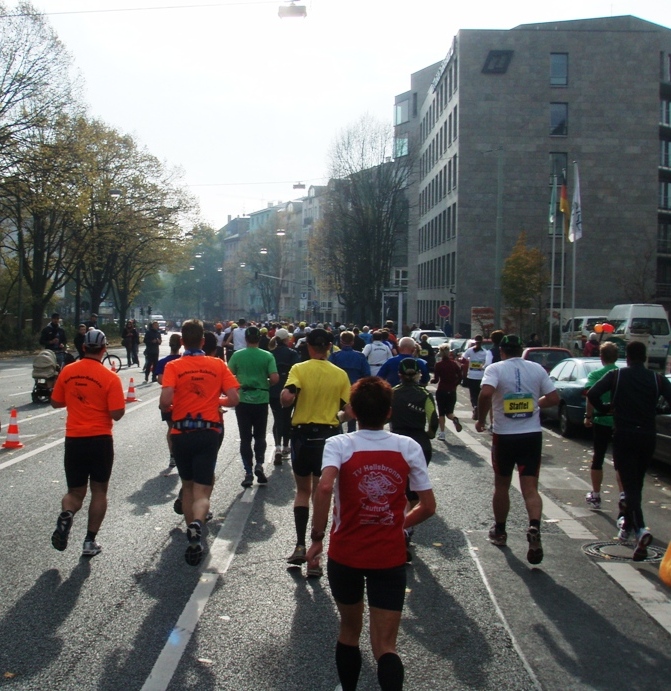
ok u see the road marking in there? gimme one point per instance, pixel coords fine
(499, 612)
(216, 564)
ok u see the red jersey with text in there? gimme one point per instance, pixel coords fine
(369, 496)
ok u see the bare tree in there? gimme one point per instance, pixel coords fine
(636, 279)
(365, 217)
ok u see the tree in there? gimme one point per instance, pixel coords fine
(524, 278)
(365, 217)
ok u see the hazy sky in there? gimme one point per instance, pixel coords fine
(248, 104)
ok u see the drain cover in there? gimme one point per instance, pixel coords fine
(616, 551)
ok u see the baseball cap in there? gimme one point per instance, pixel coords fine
(593, 336)
(408, 366)
(319, 337)
(342, 327)
(282, 334)
(95, 338)
(510, 342)
(302, 325)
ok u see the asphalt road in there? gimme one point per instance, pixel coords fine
(476, 616)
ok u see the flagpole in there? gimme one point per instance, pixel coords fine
(563, 253)
(552, 225)
(575, 231)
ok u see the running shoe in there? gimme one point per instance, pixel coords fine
(593, 499)
(59, 539)
(298, 557)
(260, 475)
(624, 534)
(535, 553)
(644, 539)
(194, 551)
(286, 451)
(314, 569)
(209, 516)
(278, 458)
(172, 463)
(497, 538)
(457, 424)
(248, 481)
(91, 548)
(441, 436)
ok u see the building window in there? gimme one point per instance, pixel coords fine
(401, 146)
(558, 69)
(497, 62)
(665, 153)
(400, 279)
(665, 195)
(402, 112)
(665, 112)
(558, 119)
(664, 239)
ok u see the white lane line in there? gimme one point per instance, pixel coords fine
(653, 600)
(499, 612)
(216, 564)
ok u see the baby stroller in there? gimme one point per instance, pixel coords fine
(45, 371)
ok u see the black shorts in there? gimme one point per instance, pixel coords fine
(196, 454)
(523, 450)
(307, 448)
(88, 458)
(385, 588)
(445, 402)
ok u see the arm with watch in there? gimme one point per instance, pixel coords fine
(320, 511)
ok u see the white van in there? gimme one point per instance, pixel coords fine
(643, 322)
(580, 325)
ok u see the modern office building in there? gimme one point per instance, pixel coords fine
(505, 112)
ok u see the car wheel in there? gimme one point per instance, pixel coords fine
(566, 427)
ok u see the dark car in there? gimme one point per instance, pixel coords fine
(548, 357)
(663, 448)
(570, 380)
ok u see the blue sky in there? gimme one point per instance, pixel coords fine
(247, 104)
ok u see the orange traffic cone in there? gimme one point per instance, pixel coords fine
(131, 397)
(12, 441)
(113, 367)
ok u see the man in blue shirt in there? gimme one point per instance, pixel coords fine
(406, 348)
(353, 362)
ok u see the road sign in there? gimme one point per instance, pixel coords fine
(444, 311)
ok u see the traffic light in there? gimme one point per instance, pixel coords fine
(142, 311)
(148, 310)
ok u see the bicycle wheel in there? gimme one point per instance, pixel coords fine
(114, 361)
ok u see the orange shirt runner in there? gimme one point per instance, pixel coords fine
(89, 391)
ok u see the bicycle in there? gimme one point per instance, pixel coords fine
(110, 360)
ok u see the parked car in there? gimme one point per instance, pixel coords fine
(431, 333)
(546, 357)
(458, 345)
(663, 448)
(570, 380)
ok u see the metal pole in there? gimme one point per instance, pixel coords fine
(553, 224)
(498, 253)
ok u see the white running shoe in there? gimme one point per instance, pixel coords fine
(441, 436)
(593, 499)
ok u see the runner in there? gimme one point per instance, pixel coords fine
(175, 342)
(320, 390)
(516, 389)
(256, 371)
(285, 357)
(368, 471)
(192, 387)
(94, 399)
(475, 359)
(447, 374)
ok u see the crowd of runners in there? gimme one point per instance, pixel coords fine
(352, 414)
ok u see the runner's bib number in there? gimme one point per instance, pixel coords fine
(518, 405)
(476, 365)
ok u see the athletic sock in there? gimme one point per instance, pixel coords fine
(390, 672)
(90, 535)
(301, 517)
(348, 664)
(535, 523)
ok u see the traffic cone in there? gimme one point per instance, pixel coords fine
(131, 397)
(113, 367)
(12, 441)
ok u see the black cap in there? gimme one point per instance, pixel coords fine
(252, 333)
(510, 342)
(408, 366)
(319, 337)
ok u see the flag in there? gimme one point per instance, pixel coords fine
(563, 203)
(553, 206)
(575, 230)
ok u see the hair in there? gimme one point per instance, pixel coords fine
(378, 336)
(252, 334)
(347, 337)
(496, 336)
(636, 351)
(370, 399)
(192, 333)
(444, 350)
(608, 352)
(210, 343)
(175, 341)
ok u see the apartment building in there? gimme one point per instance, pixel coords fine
(504, 112)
